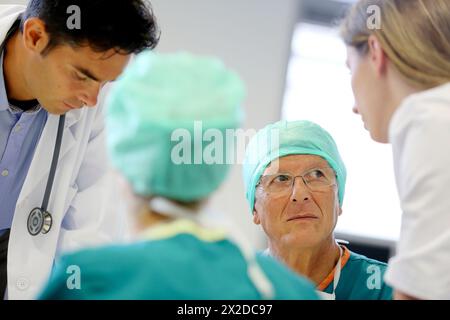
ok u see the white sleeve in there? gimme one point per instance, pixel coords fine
(421, 141)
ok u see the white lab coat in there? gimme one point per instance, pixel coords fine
(78, 198)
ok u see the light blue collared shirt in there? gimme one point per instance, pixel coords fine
(19, 134)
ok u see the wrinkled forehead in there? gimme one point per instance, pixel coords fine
(295, 164)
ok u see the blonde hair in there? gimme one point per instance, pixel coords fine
(415, 35)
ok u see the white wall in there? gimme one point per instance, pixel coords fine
(252, 37)
(13, 1)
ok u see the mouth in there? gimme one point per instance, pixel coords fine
(303, 217)
(70, 106)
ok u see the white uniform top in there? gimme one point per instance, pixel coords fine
(420, 136)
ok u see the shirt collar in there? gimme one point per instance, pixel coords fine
(4, 104)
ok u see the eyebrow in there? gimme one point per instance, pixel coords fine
(308, 168)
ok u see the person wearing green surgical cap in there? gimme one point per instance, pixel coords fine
(295, 182)
(166, 119)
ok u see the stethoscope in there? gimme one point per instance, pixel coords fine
(39, 219)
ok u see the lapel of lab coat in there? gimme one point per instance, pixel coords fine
(42, 159)
(8, 15)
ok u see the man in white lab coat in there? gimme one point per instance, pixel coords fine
(55, 58)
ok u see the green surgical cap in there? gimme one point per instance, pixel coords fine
(287, 138)
(167, 118)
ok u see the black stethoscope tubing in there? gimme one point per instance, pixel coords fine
(39, 219)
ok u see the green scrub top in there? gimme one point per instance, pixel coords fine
(361, 278)
(178, 260)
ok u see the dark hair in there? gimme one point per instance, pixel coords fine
(127, 26)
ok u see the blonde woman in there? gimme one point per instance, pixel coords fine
(401, 83)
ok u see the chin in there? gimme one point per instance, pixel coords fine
(378, 137)
(51, 109)
(305, 240)
(56, 112)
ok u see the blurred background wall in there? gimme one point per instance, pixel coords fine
(252, 37)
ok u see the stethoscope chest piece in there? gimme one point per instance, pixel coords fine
(39, 221)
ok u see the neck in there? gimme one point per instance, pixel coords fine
(160, 210)
(315, 263)
(148, 218)
(13, 67)
(398, 89)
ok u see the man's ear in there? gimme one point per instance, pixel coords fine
(340, 211)
(35, 36)
(256, 219)
(378, 57)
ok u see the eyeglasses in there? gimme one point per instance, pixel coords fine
(317, 179)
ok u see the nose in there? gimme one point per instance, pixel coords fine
(90, 96)
(355, 109)
(300, 191)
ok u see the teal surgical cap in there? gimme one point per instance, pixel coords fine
(167, 120)
(287, 138)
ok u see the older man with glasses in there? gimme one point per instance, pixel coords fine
(295, 183)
